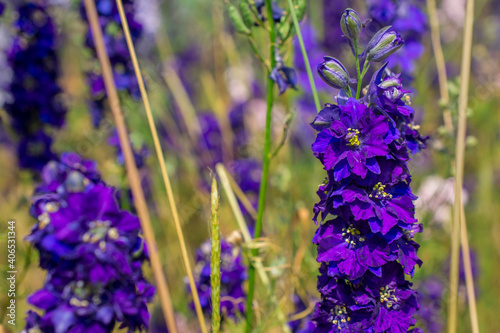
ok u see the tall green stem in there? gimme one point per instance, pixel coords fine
(358, 70)
(215, 275)
(304, 55)
(265, 167)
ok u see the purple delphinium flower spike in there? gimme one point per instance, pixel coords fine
(233, 274)
(366, 214)
(34, 97)
(118, 53)
(92, 251)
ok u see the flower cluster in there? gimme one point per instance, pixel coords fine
(233, 274)
(118, 53)
(92, 251)
(35, 100)
(366, 214)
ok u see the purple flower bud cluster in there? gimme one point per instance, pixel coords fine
(366, 214)
(35, 100)
(92, 251)
(233, 274)
(116, 46)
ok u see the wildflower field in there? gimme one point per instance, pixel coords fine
(194, 166)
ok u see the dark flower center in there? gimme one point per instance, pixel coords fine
(352, 137)
(378, 192)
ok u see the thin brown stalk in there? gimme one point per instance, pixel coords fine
(440, 63)
(132, 173)
(469, 278)
(161, 159)
(459, 163)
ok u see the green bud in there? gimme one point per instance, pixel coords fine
(247, 14)
(351, 24)
(238, 22)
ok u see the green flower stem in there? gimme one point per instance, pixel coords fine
(358, 70)
(265, 167)
(215, 261)
(304, 55)
(349, 91)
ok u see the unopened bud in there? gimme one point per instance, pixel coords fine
(351, 24)
(382, 45)
(333, 73)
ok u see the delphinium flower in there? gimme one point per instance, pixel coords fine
(92, 251)
(118, 53)
(366, 214)
(233, 274)
(35, 98)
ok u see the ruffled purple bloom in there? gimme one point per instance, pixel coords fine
(351, 137)
(378, 304)
(92, 250)
(233, 274)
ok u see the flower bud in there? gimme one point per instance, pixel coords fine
(350, 24)
(382, 45)
(333, 73)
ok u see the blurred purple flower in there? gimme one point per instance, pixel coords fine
(34, 100)
(233, 274)
(93, 253)
(118, 53)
